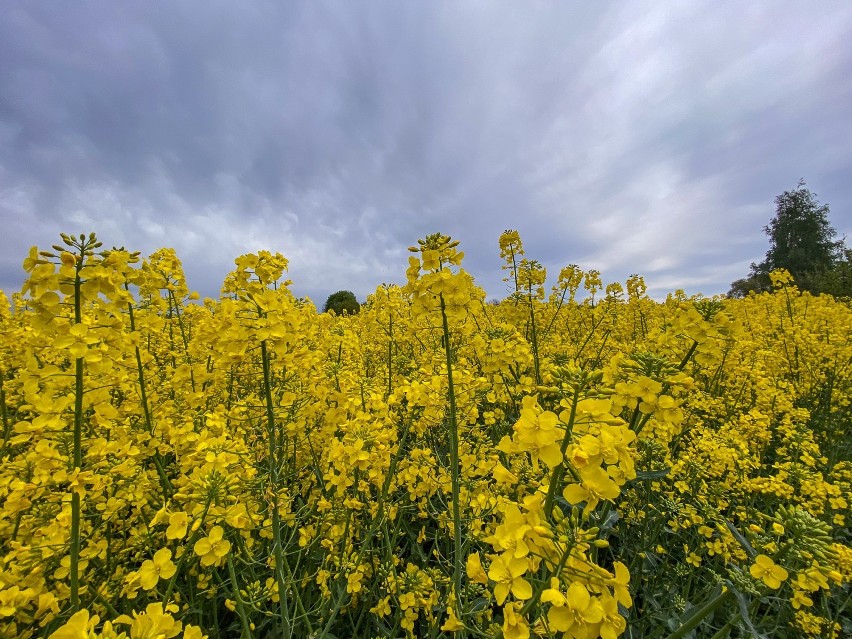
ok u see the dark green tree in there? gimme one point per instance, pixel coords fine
(801, 240)
(342, 301)
(742, 287)
(838, 281)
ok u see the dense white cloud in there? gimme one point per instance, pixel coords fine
(631, 137)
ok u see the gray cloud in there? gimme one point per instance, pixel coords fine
(640, 137)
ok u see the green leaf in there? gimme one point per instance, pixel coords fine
(752, 553)
(693, 618)
(652, 475)
(650, 562)
(612, 518)
(743, 602)
(690, 613)
(479, 605)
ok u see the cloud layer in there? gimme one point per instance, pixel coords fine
(629, 137)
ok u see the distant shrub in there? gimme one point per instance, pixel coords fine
(340, 302)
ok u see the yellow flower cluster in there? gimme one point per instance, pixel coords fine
(434, 465)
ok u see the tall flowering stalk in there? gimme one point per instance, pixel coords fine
(438, 289)
(89, 281)
(261, 316)
(527, 277)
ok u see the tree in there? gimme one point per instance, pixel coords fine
(838, 281)
(801, 240)
(342, 301)
(742, 287)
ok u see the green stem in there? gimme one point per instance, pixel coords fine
(165, 484)
(454, 461)
(515, 274)
(174, 304)
(78, 449)
(725, 630)
(546, 331)
(241, 611)
(273, 481)
(559, 471)
(534, 336)
(698, 616)
(390, 356)
(688, 355)
(6, 424)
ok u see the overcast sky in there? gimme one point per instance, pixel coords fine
(647, 137)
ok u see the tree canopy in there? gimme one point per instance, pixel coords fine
(342, 301)
(801, 240)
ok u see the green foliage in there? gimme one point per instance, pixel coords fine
(838, 280)
(800, 236)
(742, 287)
(340, 302)
(801, 240)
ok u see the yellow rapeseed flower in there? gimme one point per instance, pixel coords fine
(161, 567)
(765, 569)
(475, 570)
(507, 571)
(212, 548)
(515, 626)
(452, 624)
(76, 627)
(178, 523)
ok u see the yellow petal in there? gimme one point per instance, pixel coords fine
(78, 349)
(578, 597)
(521, 588)
(501, 591)
(575, 493)
(551, 455)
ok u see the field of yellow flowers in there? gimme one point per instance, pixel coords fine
(583, 463)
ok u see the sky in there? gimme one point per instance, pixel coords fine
(630, 137)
